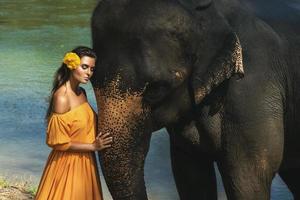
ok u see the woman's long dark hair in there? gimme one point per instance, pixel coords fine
(63, 73)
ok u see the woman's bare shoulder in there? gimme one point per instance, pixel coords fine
(61, 103)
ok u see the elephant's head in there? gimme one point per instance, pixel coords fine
(157, 60)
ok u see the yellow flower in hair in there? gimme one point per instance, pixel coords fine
(72, 60)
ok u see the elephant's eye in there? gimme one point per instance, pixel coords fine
(155, 92)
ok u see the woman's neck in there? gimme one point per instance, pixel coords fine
(73, 84)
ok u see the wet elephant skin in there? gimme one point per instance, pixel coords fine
(220, 79)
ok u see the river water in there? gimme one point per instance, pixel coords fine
(34, 36)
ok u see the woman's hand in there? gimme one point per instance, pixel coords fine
(102, 141)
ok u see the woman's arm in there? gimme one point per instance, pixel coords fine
(81, 147)
(102, 141)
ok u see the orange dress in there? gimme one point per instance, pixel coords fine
(70, 175)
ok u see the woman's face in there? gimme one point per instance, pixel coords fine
(85, 70)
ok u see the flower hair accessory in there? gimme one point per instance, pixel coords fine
(72, 60)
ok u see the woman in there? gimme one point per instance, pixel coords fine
(71, 170)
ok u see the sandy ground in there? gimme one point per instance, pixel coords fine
(13, 193)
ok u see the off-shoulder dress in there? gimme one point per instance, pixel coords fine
(70, 175)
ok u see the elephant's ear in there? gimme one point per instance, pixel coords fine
(195, 4)
(224, 65)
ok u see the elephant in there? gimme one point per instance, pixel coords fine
(219, 78)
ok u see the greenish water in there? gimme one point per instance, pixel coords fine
(34, 36)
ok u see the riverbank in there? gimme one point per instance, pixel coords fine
(21, 190)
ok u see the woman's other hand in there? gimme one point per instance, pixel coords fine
(102, 141)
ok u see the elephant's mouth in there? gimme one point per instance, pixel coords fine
(123, 114)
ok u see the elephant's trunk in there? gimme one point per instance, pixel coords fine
(123, 115)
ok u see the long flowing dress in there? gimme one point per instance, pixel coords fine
(70, 175)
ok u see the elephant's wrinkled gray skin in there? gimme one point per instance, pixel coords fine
(222, 81)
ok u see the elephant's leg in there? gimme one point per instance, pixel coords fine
(243, 183)
(291, 177)
(194, 174)
(251, 155)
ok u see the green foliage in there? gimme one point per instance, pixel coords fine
(31, 190)
(3, 183)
